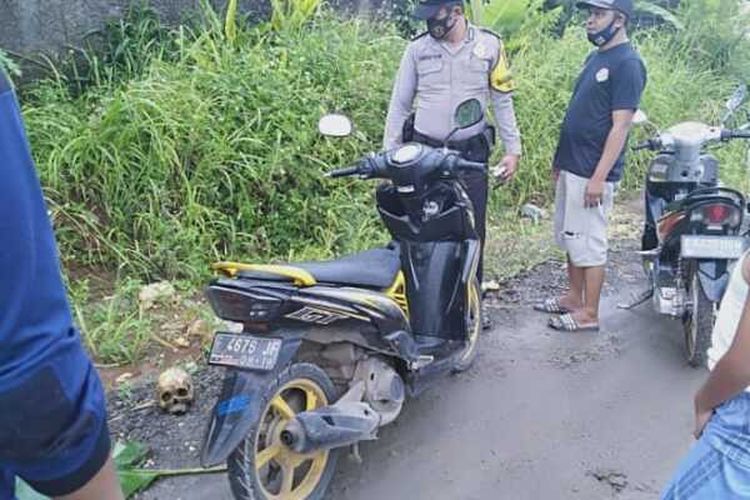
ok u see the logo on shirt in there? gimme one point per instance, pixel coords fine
(481, 51)
(602, 75)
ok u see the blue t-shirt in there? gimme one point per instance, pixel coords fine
(611, 80)
(36, 326)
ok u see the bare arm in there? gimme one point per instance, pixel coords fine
(731, 375)
(622, 119)
(402, 99)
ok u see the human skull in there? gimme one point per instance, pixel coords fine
(175, 390)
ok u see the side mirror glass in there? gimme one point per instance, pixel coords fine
(335, 125)
(738, 97)
(468, 113)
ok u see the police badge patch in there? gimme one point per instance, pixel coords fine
(602, 75)
(481, 51)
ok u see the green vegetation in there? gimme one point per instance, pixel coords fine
(169, 149)
(213, 151)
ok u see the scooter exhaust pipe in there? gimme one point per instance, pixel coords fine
(341, 424)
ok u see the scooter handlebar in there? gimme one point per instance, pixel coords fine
(739, 134)
(647, 144)
(344, 172)
(462, 164)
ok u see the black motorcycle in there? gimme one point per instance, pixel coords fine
(328, 351)
(692, 233)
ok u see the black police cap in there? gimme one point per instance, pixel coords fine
(429, 8)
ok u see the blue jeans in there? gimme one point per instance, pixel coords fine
(718, 464)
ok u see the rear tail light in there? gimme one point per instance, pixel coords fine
(241, 306)
(717, 214)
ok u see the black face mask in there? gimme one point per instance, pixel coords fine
(604, 36)
(438, 28)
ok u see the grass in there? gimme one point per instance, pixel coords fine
(116, 330)
(515, 245)
(216, 154)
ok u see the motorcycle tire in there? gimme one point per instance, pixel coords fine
(261, 467)
(473, 327)
(698, 323)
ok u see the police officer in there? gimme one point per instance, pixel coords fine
(451, 62)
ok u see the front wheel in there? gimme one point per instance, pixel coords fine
(473, 327)
(262, 467)
(698, 323)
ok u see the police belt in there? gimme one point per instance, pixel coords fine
(474, 148)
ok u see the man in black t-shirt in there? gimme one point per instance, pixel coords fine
(590, 157)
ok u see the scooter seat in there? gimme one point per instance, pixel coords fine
(375, 268)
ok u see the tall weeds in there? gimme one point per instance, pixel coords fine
(214, 152)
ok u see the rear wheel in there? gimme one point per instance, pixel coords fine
(698, 322)
(262, 467)
(473, 327)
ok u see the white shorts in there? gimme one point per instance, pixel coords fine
(581, 231)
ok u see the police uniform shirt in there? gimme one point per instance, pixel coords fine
(439, 76)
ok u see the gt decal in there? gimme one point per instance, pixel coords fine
(313, 315)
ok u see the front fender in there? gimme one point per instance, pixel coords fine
(714, 278)
(239, 405)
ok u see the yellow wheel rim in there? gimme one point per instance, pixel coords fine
(282, 473)
(474, 306)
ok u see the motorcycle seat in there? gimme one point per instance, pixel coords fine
(376, 268)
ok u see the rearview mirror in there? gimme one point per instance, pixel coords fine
(738, 97)
(335, 125)
(468, 113)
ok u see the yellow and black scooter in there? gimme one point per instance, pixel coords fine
(330, 350)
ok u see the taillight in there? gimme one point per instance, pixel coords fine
(241, 306)
(717, 214)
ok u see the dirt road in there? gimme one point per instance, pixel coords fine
(541, 415)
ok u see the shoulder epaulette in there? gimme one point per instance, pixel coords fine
(489, 31)
(417, 37)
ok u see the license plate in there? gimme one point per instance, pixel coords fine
(244, 351)
(713, 247)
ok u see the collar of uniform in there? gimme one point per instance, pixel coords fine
(471, 34)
